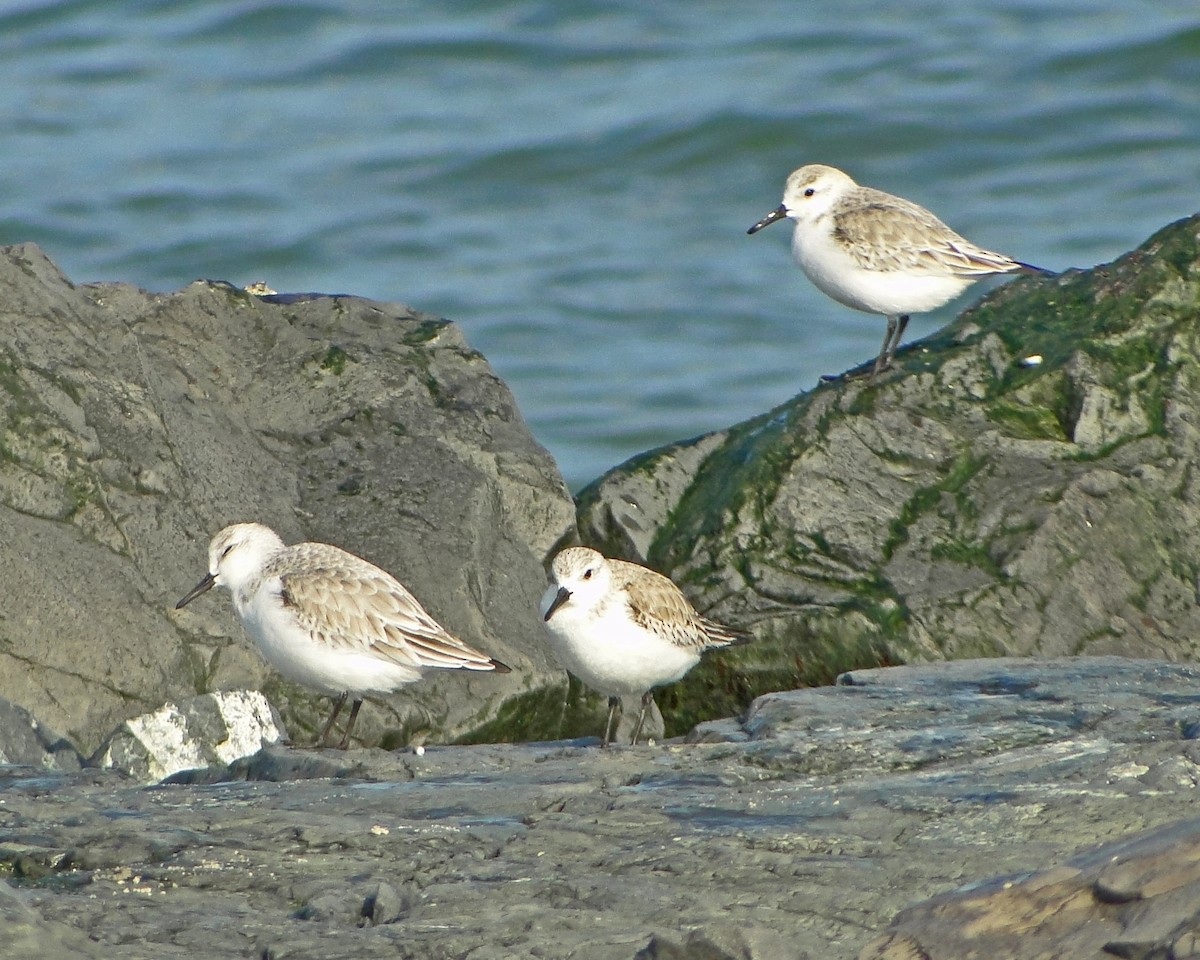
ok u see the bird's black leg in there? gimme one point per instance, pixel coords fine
(613, 702)
(647, 698)
(337, 708)
(900, 327)
(891, 341)
(354, 708)
(885, 351)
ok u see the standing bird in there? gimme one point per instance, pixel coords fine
(878, 253)
(330, 620)
(623, 629)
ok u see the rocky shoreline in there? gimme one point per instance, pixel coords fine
(968, 504)
(813, 827)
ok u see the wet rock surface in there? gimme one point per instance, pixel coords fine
(803, 830)
(1133, 898)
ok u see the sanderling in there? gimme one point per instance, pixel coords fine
(623, 629)
(330, 620)
(878, 253)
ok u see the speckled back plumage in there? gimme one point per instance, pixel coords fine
(657, 604)
(888, 233)
(347, 602)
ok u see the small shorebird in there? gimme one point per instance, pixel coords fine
(878, 253)
(624, 629)
(330, 620)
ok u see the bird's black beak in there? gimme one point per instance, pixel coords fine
(779, 213)
(560, 598)
(202, 587)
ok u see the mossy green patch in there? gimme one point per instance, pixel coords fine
(864, 403)
(22, 404)
(81, 490)
(1027, 422)
(878, 605)
(968, 554)
(802, 653)
(738, 479)
(423, 332)
(334, 360)
(399, 737)
(554, 712)
(925, 499)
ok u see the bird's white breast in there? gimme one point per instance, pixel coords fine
(835, 273)
(612, 654)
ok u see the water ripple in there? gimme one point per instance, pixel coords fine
(573, 181)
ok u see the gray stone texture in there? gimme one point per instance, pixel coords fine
(211, 728)
(971, 503)
(25, 740)
(134, 425)
(817, 826)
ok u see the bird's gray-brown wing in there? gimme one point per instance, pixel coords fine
(887, 233)
(657, 604)
(349, 603)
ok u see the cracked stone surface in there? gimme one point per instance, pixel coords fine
(211, 728)
(819, 825)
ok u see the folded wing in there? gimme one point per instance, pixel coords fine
(352, 604)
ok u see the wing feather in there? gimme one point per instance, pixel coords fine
(351, 604)
(657, 604)
(890, 234)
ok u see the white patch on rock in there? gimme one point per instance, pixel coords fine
(214, 728)
(1127, 770)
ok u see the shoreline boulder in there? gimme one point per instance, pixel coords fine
(135, 425)
(1022, 484)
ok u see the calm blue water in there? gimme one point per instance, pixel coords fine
(572, 181)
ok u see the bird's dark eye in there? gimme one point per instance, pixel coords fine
(809, 192)
(587, 574)
(225, 552)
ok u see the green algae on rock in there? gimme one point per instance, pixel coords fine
(1021, 484)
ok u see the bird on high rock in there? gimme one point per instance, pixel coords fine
(878, 253)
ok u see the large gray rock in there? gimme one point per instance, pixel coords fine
(802, 831)
(134, 425)
(973, 502)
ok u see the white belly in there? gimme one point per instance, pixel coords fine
(873, 291)
(613, 655)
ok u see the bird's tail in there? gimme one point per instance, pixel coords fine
(1037, 271)
(723, 636)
